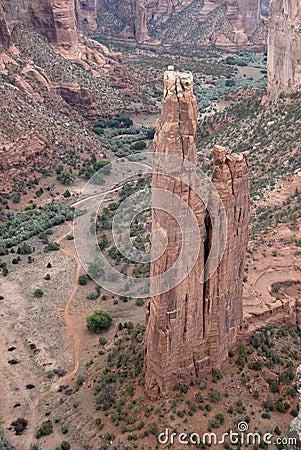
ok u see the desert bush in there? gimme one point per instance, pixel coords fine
(45, 429)
(82, 280)
(38, 293)
(99, 321)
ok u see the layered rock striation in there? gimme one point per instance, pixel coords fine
(284, 47)
(191, 327)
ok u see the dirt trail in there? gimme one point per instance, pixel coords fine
(72, 330)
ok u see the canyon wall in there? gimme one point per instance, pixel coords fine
(59, 21)
(192, 326)
(244, 15)
(233, 22)
(284, 47)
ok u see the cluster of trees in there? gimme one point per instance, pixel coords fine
(235, 62)
(24, 225)
(119, 121)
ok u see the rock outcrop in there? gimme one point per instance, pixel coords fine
(60, 21)
(284, 47)
(74, 95)
(191, 328)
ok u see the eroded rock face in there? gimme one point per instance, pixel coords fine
(89, 13)
(60, 21)
(74, 95)
(284, 44)
(174, 324)
(191, 327)
(131, 15)
(4, 33)
(244, 14)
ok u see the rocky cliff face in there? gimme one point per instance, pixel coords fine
(227, 23)
(60, 21)
(191, 328)
(89, 13)
(130, 16)
(284, 44)
(160, 11)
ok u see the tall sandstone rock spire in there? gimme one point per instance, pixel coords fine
(223, 291)
(192, 327)
(174, 326)
(284, 47)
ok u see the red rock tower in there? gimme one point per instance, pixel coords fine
(174, 325)
(192, 326)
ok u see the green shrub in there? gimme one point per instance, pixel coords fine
(65, 177)
(139, 145)
(93, 295)
(229, 83)
(45, 429)
(24, 249)
(82, 280)
(65, 445)
(268, 404)
(282, 406)
(16, 198)
(95, 268)
(52, 246)
(38, 293)
(150, 133)
(215, 395)
(100, 320)
(217, 375)
(154, 428)
(102, 340)
(255, 365)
